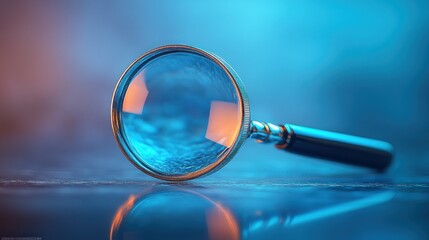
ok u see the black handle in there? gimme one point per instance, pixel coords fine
(337, 147)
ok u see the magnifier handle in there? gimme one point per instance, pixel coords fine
(331, 146)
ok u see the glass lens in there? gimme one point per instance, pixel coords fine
(180, 113)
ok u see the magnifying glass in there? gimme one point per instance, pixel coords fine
(179, 112)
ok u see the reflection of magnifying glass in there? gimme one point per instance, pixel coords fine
(151, 216)
(179, 112)
(195, 215)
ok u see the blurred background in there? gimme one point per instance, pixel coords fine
(358, 67)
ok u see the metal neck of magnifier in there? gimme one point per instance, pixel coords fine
(331, 146)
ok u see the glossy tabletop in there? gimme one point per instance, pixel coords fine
(356, 206)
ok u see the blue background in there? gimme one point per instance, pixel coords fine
(359, 67)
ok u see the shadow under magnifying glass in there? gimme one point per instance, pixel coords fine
(192, 212)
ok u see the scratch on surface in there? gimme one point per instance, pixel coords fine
(277, 183)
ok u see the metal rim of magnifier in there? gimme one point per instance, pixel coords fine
(125, 80)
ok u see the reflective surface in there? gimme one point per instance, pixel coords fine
(180, 113)
(347, 207)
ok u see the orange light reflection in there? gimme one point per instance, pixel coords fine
(224, 123)
(121, 213)
(221, 224)
(136, 95)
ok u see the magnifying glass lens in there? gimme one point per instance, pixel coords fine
(180, 113)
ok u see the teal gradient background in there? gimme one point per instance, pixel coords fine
(357, 67)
